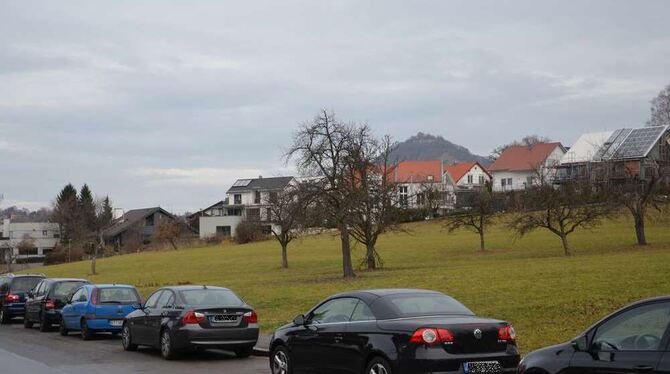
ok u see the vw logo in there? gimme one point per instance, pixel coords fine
(477, 333)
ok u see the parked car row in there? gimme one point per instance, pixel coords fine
(372, 331)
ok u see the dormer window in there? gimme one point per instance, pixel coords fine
(430, 178)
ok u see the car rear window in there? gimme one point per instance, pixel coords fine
(426, 305)
(210, 298)
(117, 296)
(62, 290)
(24, 284)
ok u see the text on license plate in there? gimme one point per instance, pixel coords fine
(482, 367)
(116, 322)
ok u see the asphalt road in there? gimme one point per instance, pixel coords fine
(30, 351)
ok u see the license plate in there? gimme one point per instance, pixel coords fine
(223, 318)
(482, 367)
(116, 323)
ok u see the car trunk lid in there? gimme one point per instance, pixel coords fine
(223, 317)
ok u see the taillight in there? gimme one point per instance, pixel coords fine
(507, 333)
(94, 296)
(430, 336)
(193, 318)
(250, 317)
(11, 298)
(49, 305)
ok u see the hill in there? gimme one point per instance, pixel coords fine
(429, 147)
(548, 297)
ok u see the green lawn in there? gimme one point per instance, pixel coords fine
(549, 298)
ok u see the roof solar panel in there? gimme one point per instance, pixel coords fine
(610, 147)
(241, 182)
(639, 142)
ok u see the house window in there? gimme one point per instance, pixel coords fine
(237, 199)
(273, 196)
(149, 221)
(266, 229)
(257, 197)
(482, 180)
(503, 183)
(530, 181)
(420, 199)
(430, 178)
(254, 214)
(234, 212)
(471, 178)
(223, 230)
(268, 214)
(403, 195)
(45, 233)
(509, 182)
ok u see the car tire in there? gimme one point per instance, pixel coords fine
(27, 324)
(378, 365)
(44, 324)
(4, 317)
(127, 339)
(86, 333)
(243, 352)
(166, 346)
(280, 361)
(62, 329)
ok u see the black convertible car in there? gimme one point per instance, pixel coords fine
(393, 331)
(635, 339)
(182, 317)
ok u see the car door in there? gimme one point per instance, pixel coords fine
(33, 302)
(139, 324)
(318, 347)
(629, 342)
(359, 331)
(69, 313)
(155, 316)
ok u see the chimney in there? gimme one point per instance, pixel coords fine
(260, 177)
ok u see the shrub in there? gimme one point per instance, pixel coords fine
(248, 232)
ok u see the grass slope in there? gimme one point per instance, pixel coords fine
(549, 298)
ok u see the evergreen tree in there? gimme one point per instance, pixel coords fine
(65, 212)
(87, 212)
(106, 214)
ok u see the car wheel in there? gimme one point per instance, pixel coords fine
(86, 333)
(44, 324)
(27, 323)
(4, 317)
(280, 361)
(62, 329)
(167, 350)
(378, 365)
(127, 339)
(243, 352)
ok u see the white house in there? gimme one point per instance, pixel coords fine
(414, 180)
(43, 237)
(467, 175)
(519, 167)
(247, 199)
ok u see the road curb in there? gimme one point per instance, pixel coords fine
(261, 352)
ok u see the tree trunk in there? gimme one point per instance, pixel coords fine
(347, 267)
(370, 256)
(639, 229)
(284, 255)
(566, 247)
(95, 256)
(482, 245)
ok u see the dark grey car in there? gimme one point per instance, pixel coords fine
(179, 318)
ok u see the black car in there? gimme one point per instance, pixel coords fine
(13, 290)
(45, 302)
(634, 339)
(185, 317)
(393, 331)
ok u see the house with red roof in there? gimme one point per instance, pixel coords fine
(467, 174)
(422, 183)
(522, 166)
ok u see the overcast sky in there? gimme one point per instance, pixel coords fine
(167, 103)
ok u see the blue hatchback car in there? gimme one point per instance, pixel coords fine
(98, 308)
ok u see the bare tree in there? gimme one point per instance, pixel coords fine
(475, 215)
(660, 109)
(430, 197)
(639, 195)
(287, 213)
(376, 210)
(8, 255)
(575, 204)
(320, 148)
(169, 231)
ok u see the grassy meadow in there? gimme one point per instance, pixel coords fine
(527, 281)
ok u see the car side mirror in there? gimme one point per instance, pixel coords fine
(30, 294)
(138, 306)
(69, 301)
(299, 320)
(580, 344)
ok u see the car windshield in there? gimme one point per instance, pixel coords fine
(210, 297)
(426, 305)
(24, 284)
(117, 296)
(64, 289)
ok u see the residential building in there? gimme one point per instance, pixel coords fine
(247, 199)
(136, 227)
(468, 174)
(577, 161)
(422, 183)
(522, 166)
(42, 237)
